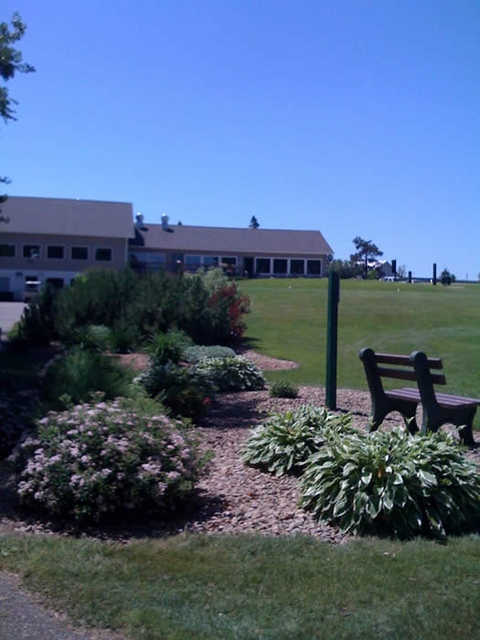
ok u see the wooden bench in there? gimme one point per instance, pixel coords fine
(438, 408)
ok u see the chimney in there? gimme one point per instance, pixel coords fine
(164, 222)
(139, 220)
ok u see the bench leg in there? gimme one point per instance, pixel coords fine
(375, 421)
(462, 419)
(408, 415)
(465, 428)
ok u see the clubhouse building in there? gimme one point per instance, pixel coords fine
(50, 240)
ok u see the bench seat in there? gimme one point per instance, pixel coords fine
(443, 399)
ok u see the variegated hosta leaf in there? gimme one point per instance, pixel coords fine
(393, 483)
(288, 439)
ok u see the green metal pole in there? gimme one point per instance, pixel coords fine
(332, 324)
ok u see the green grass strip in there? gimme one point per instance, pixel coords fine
(194, 587)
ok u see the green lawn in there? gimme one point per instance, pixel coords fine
(288, 320)
(254, 588)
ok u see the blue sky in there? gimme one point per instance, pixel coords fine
(353, 117)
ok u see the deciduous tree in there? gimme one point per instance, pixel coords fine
(11, 62)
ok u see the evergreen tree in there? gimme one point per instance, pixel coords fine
(365, 249)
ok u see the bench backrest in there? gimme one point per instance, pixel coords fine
(404, 368)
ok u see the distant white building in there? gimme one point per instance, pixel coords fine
(382, 267)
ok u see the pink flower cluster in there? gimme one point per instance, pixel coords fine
(96, 458)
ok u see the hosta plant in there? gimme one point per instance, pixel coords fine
(100, 458)
(199, 352)
(232, 373)
(284, 442)
(391, 483)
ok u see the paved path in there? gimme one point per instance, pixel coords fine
(21, 618)
(10, 313)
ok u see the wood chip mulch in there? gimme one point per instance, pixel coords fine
(233, 498)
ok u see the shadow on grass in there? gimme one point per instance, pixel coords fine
(246, 343)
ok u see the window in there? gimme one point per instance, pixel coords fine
(32, 283)
(297, 267)
(280, 265)
(7, 250)
(31, 250)
(55, 252)
(229, 261)
(79, 253)
(210, 261)
(263, 265)
(57, 283)
(103, 255)
(193, 261)
(314, 267)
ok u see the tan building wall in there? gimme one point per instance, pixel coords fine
(118, 247)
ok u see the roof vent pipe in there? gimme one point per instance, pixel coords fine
(164, 222)
(139, 220)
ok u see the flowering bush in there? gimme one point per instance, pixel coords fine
(231, 373)
(99, 458)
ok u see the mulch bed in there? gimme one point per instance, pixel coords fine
(233, 498)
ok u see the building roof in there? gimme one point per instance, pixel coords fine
(59, 216)
(223, 240)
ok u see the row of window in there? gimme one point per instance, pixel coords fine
(276, 266)
(263, 266)
(209, 261)
(56, 252)
(280, 266)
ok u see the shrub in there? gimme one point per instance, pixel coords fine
(97, 297)
(196, 353)
(392, 483)
(212, 308)
(184, 391)
(97, 459)
(165, 347)
(37, 324)
(80, 372)
(231, 373)
(283, 389)
(286, 440)
(96, 337)
(136, 307)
